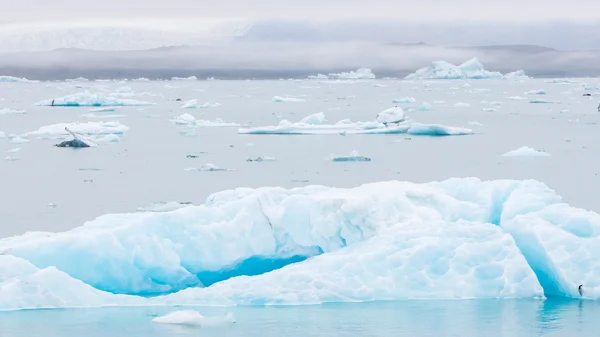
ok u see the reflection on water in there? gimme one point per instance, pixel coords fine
(490, 318)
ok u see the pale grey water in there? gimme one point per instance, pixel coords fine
(148, 165)
(490, 318)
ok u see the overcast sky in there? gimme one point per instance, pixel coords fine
(64, 11)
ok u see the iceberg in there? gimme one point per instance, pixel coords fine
(526, 151)
(539, 101)
(462, 105)
(360, 74)
(19, 140)
(7, 111)
(390, 121)
(516, 75)
(286, 99)
(353, 156)
(471, 69)
(516, 98)
(90, 99)
(89, 128)
(260, 159)
(404, 100)
(104, 109)
(461, 238)
(207, 168)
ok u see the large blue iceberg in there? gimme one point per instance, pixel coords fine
(471, 69)
(455, 239)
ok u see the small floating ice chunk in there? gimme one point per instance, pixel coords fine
(516, 98)
(7, 111)
(495, 103)
(19, 140)
(353, 156)
(526, 151)
(461, 105)
(207, 168)
(539, 101)
(536, 92)
(314, 119)
(194, 318)
(286, 99)
(475, 123)
(488, 109)
(404, 100)
(391, 115)
(15, 150)
(260, 159)
(104, 109)
(160, 207)
(11, 158)
(424, 107)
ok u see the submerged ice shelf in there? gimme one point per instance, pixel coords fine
(455, 239)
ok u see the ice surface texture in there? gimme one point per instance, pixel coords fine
(90, 99)
(455, 239)
(472, 69)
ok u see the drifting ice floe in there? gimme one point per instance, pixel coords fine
(391, 121)
(194, 318)
(187, 119)
(286, 99)
(526, 151)
(539, 101)
(314, 119)
(425, 107)
(19, 140)
(353, 156)
(89, 99)
(462, 105)
(536, 92)
(207, 168)
(516, 98)
(404, 100)
(472, 69)
(360, 74)
(260, 159)
(193, 104)
(105, 109)
(459, 238)
(89, 128)
(7, 111)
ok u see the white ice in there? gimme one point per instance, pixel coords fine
(191, 78)
(104, 109)
(314, 119)
(346, 126)
(89, 128)
(516, 75)
(526, 151)
(286, 99)
(207, 168)
(404, 100)
(187, 119)
(425, 107)
(19, 140)
(194, 318)
(260, 159)
(471, 69)
(7, 111)
(13, 79)
(90, 99)
(193, 104)
(454, 239)
(536, 92)
(360, 74)
(353, 156)
(462, 105)
(164, 207)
